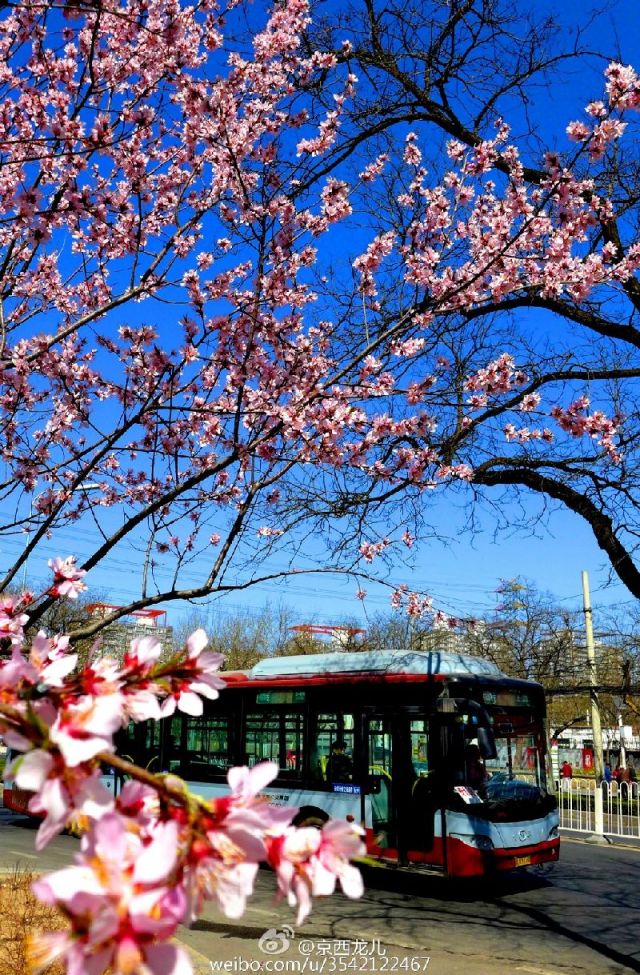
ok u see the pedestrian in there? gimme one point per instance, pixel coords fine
(607, 773)
(617, 773)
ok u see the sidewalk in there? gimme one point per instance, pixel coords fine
(621, 842)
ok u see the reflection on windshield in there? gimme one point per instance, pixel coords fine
(517, 771)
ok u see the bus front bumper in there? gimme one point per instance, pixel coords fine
(467, 860)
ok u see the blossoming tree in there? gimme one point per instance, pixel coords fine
(187, 362)
(447, 77)
(212, 343)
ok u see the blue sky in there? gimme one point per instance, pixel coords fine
(461, 573)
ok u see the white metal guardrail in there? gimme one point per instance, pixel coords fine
(620, 806)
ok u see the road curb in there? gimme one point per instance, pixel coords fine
(610, 842)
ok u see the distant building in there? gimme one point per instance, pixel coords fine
(333, 636)
(116, 638)
(575, 745)
(444, 641)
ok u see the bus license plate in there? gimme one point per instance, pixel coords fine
(522, 861)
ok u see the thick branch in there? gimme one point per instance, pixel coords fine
(599, 522)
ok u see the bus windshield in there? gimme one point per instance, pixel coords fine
(518, 770)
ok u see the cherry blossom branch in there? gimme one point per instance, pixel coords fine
(150, 856)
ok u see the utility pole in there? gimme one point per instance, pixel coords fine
(623, 756)
(596, 727)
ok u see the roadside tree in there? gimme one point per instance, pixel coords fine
(530, 636)
(535, 343)
(243, 638)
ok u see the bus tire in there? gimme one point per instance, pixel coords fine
(310, 816)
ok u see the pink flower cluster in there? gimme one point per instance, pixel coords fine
(623, 89)
(67, 580)
(414, 604)
(150, 857)
(500, 376)
(623, 86)
(370, 550)
(601, 428)
(369, 262)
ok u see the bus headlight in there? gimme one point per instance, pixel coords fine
(554, 833)
(477, 840)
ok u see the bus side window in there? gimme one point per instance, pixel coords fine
(208, 753)
(175, 752)
(330, 726)
(293, 756)
(275, 736)
(262, 737)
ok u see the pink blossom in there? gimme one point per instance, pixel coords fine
(369, 262)
(85, 727)
(197, 678)
(530, 402)
(117, 898)
(412, 155)
(246, 783)
(58, 792)
(578, 131)
(17, 670)
(308, 862)
(369, 550)
(12, 618)
(67, 580)
(223, 866)
(623, 86)
(575, 421)
(370, 172)
(142, 655)
(335, 200)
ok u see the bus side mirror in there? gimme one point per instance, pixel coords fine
(486, 743)
(374, 785)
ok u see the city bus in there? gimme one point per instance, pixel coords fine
(448, 767)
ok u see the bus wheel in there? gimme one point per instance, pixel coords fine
(310, 816)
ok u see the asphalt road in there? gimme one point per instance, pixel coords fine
(580, 918)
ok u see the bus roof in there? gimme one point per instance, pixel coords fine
(374, 662)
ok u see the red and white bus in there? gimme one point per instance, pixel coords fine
(417, 727)
(447, 762)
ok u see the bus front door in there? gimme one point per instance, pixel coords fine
(402, 806)
(379, 743)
